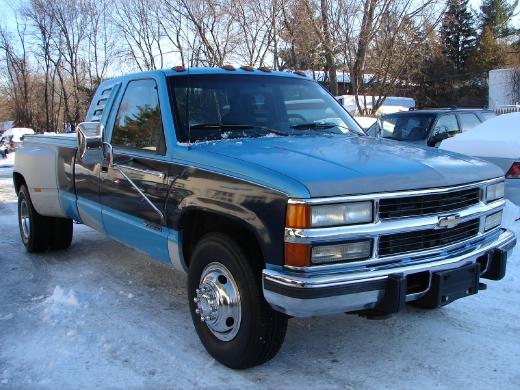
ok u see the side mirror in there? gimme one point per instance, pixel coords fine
(436, 138)
(89, 137)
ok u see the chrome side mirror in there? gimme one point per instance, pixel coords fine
(89, 137)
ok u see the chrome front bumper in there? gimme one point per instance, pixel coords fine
(302, 294)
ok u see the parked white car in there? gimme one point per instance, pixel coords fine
(498, 141)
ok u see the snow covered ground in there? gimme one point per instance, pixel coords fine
(8, 161)
(103, 316)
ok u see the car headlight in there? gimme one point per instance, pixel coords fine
(342, 214)
(495, 191)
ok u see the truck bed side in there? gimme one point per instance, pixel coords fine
(45, 163)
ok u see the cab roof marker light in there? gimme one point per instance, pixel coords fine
(247, 68)
(265, 69)
(228, 67)
(300, 73)
(179, 68)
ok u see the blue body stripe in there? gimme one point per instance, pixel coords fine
(69, 205)
(133, 232)
(120, 226)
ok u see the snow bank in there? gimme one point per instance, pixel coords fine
(496, 137)
(511, 215)
(60, 303)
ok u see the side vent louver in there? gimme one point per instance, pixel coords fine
(100, 105)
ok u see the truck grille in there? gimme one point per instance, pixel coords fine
(428, 204)
(399, 243)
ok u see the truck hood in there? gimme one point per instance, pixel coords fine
(331, 165)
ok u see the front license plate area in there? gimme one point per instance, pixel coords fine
(450, 285)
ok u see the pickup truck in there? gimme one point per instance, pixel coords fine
(266, 192)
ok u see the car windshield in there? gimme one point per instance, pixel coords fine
(406, 127)
(209, 107)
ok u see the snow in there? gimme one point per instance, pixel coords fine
(17, 133)
(390, 105)
(67, 321)
(8, 161)
(496, 137)
(365, 121)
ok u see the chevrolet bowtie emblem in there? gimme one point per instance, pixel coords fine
(448, 222)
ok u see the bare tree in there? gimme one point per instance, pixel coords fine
(14, 49)
(102, 49)
(386, 37)
(43, 25)
(254, 19)
(139, 23)
(216, 27)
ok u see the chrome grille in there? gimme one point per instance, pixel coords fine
(399, 243)
(428, 204)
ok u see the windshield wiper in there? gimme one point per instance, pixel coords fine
(321, 125)
(231, 127)
(218, 126)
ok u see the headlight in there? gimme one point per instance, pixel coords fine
(495, 191)
(342, 214)
(350, 251)
(492, 221)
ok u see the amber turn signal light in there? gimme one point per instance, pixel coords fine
(298, 216)
(297, 255)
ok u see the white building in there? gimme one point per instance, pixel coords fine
(503, 91)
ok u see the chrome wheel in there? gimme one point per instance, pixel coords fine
(25, 221)
(218, 301)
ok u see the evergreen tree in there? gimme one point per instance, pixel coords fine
(458, 33)
(488, 54)
(496, 14)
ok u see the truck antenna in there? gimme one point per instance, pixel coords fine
(188, 93)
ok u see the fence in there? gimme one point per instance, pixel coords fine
(506, 109)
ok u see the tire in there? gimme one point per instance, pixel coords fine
(34, 228)
(61, 233)
(255, 333)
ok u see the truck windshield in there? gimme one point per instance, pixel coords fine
(405, 127)
(209, 107)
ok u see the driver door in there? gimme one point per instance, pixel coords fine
(133, 189)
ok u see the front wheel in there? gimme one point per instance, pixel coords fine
(233, 321)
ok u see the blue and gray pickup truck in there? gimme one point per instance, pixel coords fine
(264, 190)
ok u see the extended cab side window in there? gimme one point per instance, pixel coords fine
(138, 123)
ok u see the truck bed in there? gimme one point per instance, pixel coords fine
(46, 162)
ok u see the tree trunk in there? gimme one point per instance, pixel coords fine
(330, 64)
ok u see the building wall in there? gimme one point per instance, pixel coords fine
(501, 88)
